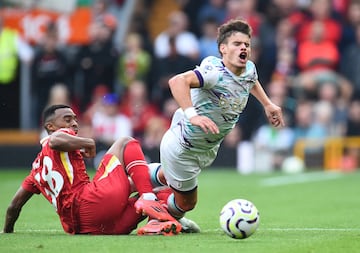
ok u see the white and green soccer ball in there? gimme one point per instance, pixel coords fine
(239, 218)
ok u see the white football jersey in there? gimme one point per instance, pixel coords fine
(222, 97)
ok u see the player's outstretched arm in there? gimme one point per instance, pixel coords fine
(272, 111)
(14, 209)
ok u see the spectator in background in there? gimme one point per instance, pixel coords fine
(154, 131)
(157, 126)
(269, 30)
(96, 62)
(100, 11)
(303, 120)
(95, 104)
(50, 66)
(279, 90)
(277, 36)
(191, 9)
(255, 50)
(166, 67)
(286, 48)
(110, 24)
(169, 108)
(318, 61)
(353, 117)
(96, 101)
(186, 43)
(108, 124)
(59, 93)
(138, 108)
(314, 123)
(207, 41)
(350, 62)
(320, 11)
(340, 6)
(213, 9)
(306, 131)
(323, 121)
(351, 19)
(134, 62)
(351, 157)
(305, 85)
(139, 24)
(316, 53)
(246, 10)
(285, 63)
(272, 145)
(13, 51)
(330, 92)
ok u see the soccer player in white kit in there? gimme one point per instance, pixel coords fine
(211, 98)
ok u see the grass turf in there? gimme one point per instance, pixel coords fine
(306, 213)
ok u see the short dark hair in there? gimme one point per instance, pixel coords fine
(231, 27)
(50, 111)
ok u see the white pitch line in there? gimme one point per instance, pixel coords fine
(296, 229)
(313, 229)
(40, 230)
(300, 178)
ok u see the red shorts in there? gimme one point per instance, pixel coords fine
(104, 206)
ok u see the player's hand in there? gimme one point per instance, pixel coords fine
(274, 115)
(89, 152)
(206, 124)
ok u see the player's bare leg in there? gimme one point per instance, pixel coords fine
(178, 211)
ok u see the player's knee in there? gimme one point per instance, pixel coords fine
(118, 146)
(121, 142)
(187, 205)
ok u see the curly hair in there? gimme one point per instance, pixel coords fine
(231, 27)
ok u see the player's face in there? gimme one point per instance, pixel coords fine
(236, 52)
(65, 118)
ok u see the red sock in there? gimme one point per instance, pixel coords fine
(136, 166)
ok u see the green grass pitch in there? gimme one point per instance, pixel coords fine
(306, 213)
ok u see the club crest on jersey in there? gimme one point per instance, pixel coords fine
(208, 67)
(236, 104)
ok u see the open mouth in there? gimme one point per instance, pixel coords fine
(243, 56)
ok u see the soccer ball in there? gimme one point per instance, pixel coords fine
(239, 218)
(293, 165)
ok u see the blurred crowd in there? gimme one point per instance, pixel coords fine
(307, 54)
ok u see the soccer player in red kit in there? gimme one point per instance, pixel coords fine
(100, 206)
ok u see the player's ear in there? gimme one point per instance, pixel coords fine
(222, 48)
(49, 127)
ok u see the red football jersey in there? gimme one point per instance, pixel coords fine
(59, 176)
